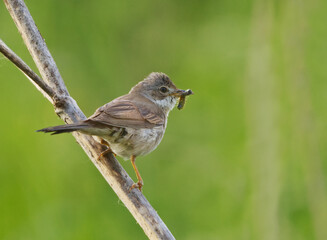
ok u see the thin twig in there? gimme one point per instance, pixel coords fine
(35, 79)
(67, 109)
(30, 33)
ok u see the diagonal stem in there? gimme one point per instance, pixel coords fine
(21, 65)
(36, 45)
(68, 110)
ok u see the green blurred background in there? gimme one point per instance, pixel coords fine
(245, 158)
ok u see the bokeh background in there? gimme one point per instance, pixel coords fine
(246, 157)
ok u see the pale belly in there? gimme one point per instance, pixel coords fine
(138, 142)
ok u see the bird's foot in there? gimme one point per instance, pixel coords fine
(108, 150)
(105, 152)
(138, 185)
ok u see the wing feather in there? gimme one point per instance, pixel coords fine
(125, 113)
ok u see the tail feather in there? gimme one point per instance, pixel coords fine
(64, 128)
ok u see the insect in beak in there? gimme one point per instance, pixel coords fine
(182, 95)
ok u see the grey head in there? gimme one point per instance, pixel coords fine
(158, 88)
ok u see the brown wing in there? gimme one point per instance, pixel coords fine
(124, 113)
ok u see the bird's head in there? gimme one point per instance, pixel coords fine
(160, 90)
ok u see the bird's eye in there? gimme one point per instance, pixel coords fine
(163, 89)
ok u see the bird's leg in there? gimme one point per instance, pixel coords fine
(108, 150)
(139, 184)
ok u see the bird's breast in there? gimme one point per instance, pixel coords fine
(126, 142)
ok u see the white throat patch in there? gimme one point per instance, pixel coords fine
(166, 104)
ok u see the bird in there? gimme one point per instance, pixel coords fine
(134, 124)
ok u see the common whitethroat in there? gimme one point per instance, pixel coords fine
(132, 125)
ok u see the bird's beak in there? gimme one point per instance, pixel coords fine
(180, 93)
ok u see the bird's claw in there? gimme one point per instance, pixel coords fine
(138, 185)
(108, 150)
